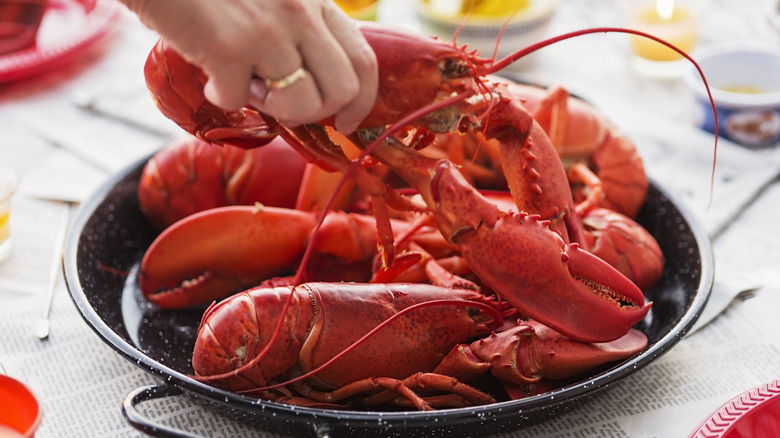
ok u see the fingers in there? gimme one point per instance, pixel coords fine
(330, 83)
(331, 69)
(231, 84)
(228, 86)
(363, 61)
(341, 76)
(242, 43)
(293, 103)
(232, 41)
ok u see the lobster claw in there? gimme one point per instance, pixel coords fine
(216, 252)
(530, 352)
(539, 352)
(530, 266)
(558, 284)
(210, 254)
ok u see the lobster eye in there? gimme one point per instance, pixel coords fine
(453, 68)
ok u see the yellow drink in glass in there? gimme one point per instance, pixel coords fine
(8, 182)
(359, 9)
(679, 29)
(5, 223)
(476, 8)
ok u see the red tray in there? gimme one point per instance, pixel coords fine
(69, 27)
(754, 413)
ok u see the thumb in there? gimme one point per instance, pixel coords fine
(228, 88)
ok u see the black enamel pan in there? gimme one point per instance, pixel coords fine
(109, 235)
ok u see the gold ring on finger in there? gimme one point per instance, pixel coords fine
(286, 81)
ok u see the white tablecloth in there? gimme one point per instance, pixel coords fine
(69, 130)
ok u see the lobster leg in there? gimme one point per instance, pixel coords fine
(404, 392)
(584, 138)
(364, 386)
(579, 172)
(316, 141)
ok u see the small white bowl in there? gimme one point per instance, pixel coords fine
(745, 84)
(528, 26)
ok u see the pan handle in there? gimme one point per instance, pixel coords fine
(162, 390)
(138, 421)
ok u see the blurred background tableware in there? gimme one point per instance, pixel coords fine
(745, 83)
(480, 23)
(754, 413)
(19, 23)
(360, 9)
(67, 30)
(20, 412)
(8, 183)
(674, 21)
(774, 16)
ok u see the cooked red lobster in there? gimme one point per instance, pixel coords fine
(533, 255)
(401, 339)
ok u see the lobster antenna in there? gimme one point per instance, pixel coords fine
(501, 33)
(506, 61)
(462, 23)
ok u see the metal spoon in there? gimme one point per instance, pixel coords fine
(44, 325)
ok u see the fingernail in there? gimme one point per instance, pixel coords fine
(258, 91)
(211, 93)
(346, 128)
(214, 96)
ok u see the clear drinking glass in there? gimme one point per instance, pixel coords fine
(8, 183)
(674, 21)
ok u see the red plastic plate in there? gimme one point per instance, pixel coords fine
(69, 27)
(20, 412)
(754, 413)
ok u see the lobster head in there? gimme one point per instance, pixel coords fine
(416, 71)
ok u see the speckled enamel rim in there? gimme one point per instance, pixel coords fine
(382, 422)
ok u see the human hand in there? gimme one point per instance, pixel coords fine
(241, 43)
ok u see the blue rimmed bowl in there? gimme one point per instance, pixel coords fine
(745, 84)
